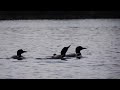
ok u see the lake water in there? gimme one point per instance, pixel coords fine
(42, 38)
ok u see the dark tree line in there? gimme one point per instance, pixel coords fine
(5, 15)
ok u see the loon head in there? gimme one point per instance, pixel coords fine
(20, 51)
(79, 48)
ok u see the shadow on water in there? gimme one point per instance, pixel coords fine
(55, 61)
(14, 60)
(39, 60)
(51, 60)
(1, 64)
(5, 58)
(19, 61)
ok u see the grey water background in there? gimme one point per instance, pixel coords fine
(42, 38)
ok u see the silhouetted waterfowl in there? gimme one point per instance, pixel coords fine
(63, 55)
(64, 50)
(77, 54)
(19, 56)
(55, 56)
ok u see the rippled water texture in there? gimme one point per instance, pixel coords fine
(42, 38)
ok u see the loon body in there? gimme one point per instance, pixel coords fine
(77, 54)
(63, 53)
(71, 55)
(61, 56)
(19, 56)
(55, 56)
(64, 56)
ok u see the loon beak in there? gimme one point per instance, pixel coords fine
(84, 48)
(24, 51)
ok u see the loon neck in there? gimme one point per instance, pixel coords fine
(78, 54)
(19, 55)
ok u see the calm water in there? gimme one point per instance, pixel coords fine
(42, 38)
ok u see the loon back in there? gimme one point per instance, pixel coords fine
(18, 57)
(71, 55)
(56, 57)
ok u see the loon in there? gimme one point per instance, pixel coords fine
(62, 55)
(19, 56)
(77, 54)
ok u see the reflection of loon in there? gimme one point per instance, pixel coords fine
(63, 53)
(19, 56)
(77, 54)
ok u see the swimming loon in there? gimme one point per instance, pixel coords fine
(19, 56)
(63, 53)
(77, 54)
(64, 56)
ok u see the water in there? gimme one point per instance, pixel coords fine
(42, 38)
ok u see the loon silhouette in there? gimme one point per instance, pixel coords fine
(77, 54)
(63, 53)
(19, 56)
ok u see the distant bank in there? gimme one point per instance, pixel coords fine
(11, 15)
